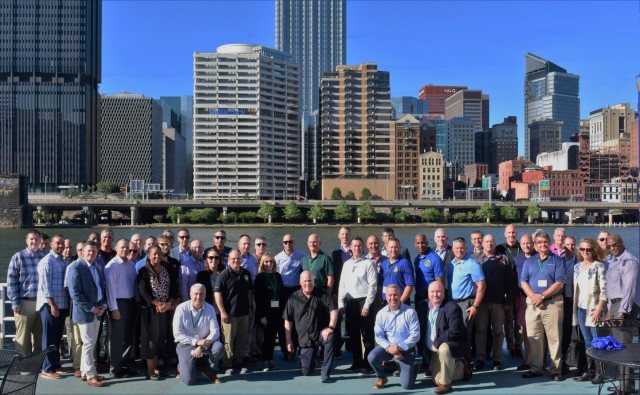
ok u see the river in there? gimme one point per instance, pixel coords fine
(12, 240)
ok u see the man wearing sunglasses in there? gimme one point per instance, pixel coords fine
(259, 247)
(622, 281)
(181, 252)
(219, 238)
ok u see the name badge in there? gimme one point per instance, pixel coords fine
(542, 283)
(384, 290)
(275, 304)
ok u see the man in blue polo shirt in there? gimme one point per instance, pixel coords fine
(428, 267)
(543, 278)
(397, 270)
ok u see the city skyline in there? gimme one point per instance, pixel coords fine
(417, 42)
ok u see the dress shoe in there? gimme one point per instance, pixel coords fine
(529, 374)
(556, 377)
(443, 389)
(211, 376)
(64, 370)
(326, 380)
(77, 373)
(120, 373)
(598, 379)
(467, 371)
(94, 382)
(586, 376)
(365, 371)
(523, 366)
(354, 368)
(497, 365)
(49, 375)
(479, 365)
(380, 383)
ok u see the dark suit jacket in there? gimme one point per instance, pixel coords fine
(83, 291)
(448, 257)
(451, 329)
(204, 278)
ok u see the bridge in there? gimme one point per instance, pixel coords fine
(140, 211)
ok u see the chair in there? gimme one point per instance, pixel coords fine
(626, 332)
(22, 375)
(6, 357)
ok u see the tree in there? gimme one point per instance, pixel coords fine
(400, 215)
(471, 216)
(174, 213)
(343, 213)
(247, 217)
(533, 212)
(487, 211)
(267, 211)
(159, 218)
(431, 215)
(202, 215)
(317, 213)
(509, 212)
(70, 193)
(366, 212)
(106, 187)
(313, 184)
(459, 217)
(350, 196)
(336, 194)
(365, 194)
(292, 212)
(37, 216)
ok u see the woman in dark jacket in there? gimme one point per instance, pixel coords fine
(159, 293)
(208, 277)
(267, 291)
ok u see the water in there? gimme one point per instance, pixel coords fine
(12, 240)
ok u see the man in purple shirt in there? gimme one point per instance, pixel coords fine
(557, 247)
(623, 287)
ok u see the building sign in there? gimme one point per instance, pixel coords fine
(226, 111)
(544, 185)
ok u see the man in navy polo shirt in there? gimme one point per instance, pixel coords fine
(397, 270)
(428, 267)
(543, 278)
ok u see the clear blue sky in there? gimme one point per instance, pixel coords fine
(148, 45)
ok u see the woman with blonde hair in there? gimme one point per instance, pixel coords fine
(268, 294)
(589, 293)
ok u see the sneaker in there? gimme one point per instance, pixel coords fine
(230, 372)
(49, 375)
(497, 365)
(265, 366)
(272, 366)
(244, 370)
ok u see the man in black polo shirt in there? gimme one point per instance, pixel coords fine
(314, 314)
(234, 293)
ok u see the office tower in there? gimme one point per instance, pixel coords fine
(431, 176)
(403, 105)
(610, 125)
(177, 112)
(550, 93)
(503, 143)
(482, 142)
(357, 143)
(49, 74)
(131, 147)
(407, 137)
(173, 160)
(246, 128)
(461, 142)
(471, 104)
(544, 136)
(428, 135)
(315, 33)
(435, 95)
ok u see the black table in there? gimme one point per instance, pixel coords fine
(626, 359)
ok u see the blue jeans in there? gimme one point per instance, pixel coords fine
(588, 332)
(408, 371)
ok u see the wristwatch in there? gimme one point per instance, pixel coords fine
(541, 297)
(332, 328)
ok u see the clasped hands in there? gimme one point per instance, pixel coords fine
(202, 343)
(395, 351)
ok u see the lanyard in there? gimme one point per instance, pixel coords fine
(511, 253)
(195, 324)
(540, 265)
(433, 316)
(274, 284)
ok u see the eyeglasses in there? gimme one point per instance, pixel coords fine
(586, 249)
(615, 245)
(261, 244)
(287, 241)
(210, 257)
(602, 239)
(220, 237)
(184, 237)
(163, 244)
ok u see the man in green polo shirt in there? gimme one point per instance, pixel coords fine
(319, 264)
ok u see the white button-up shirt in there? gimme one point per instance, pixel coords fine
(191, 325)
(120, 277)
(358, 280)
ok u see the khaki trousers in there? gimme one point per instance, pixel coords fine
(444, 367)
(545, 321)
(75, 342)
(235, 340)
(28, 329)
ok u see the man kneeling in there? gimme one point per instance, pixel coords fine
(196, 331)
(397, 330)
(446, 338)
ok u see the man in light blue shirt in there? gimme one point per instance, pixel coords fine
(192, 264)
(397, 331)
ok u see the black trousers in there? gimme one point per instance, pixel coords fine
(361, 330)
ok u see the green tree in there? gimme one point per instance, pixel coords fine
(106, 187)
(487, 212)
(471, 216)
(174, 213)
(292, 212)
(343, 212)
(459, 217)
(70, 193)
(313, 184)
(400, 215)
(350, 196)
(431, 215)
(509, 212)
(336, 194)
(533, 212)
(317, 213)
(159, 218)
(366, 212)
(202, 215)
(365, 194)
(37, 216)
(267, 211)
(247, 217)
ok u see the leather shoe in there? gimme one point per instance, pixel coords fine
(586, 376)
(443, 389)
(77, 373)
(212, 377)
(556, 377)
(523, 366)
(64, 370)
(94, 382)
(467, 371)
(49, 375)
(598, 379)
(380, 383)
(529, 374)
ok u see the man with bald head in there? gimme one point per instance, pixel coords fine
(511, 248)
(527, 251)
(289, 265)
(192, 264)
(623, 285)
(318, 264)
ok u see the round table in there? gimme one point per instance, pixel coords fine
(628, 358)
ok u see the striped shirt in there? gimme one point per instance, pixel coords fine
(22, 275)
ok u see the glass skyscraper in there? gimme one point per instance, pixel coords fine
(550, 94)
(50, 54)
(314, 32)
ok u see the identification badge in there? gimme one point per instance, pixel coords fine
(542, 283)
(384, 290)
(275, 304)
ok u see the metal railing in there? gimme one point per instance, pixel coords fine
(6, 316)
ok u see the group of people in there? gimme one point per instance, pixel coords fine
(222, 308)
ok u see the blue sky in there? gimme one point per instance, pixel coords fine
(148, 45)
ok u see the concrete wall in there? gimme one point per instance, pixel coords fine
(14, 209)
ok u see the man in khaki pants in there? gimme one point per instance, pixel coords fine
(22, 290)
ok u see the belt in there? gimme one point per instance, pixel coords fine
(125, 299)
(616, 300)
(465, 299)
(31, 299)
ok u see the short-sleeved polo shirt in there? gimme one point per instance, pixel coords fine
(399, 272)
(428, 267)
(235, 287)
(320, 267)
(537, 272)
(463, 276)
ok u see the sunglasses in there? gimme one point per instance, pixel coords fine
(184, 237)
(616, 245)
(220, 237)
(261, 244)
(216, 257)
(163, 244)
(133, 251)
(287, 241)
(586, 249)
(602, 239)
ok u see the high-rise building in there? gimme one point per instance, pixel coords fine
(131, 147)
(482, 146)
(471, 104)
(50, 68)
(544, 136)
(246, 129)
(357, 142)
(461, 142)
(503, 143)
(435, 95)
(173, 160)
(177, 113)
(403, 105)
(610, 123)
(550, 93)
(315, 33)
(431, 176)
